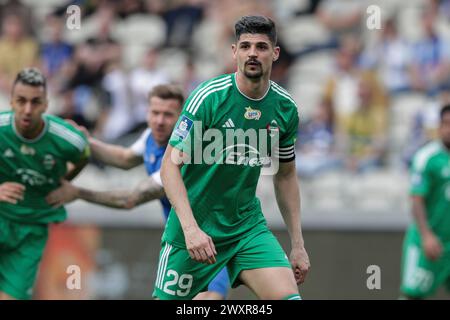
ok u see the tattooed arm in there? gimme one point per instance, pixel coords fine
(147, 190)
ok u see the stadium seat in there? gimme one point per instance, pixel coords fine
(141, 29)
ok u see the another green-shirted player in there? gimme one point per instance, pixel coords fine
(426, 249)
(231, 128)
(36, 151)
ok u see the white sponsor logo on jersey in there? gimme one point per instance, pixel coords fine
(228, 124)
(31, 177)
(8, 153)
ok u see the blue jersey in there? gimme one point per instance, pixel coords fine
(152, 154)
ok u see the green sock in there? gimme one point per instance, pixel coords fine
(292, 297)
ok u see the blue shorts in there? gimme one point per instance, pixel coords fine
(221, 283)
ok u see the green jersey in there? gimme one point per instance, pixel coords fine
(38, 164)
(230, 139)
(431, 179)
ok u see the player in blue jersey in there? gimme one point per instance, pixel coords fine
(165, 104)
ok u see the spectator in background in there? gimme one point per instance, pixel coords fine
(340, 18)
(431, 59)
(126, 8)
(55, 53)
(341, 88)
(364, 132)
(141, 80)
(316, 151)
(191, 80)
(116, 118)
(17, 50)
(310, 8)
(390, 55)
(425, 126)
(83, 91)
(181, 17)
(16, 7)
(84, 94)
(441, 7)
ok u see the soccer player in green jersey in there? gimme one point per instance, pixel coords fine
(36, 151)
(426, 248)
(231, 129)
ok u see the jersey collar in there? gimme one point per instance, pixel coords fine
(259, 99)
(44, 130)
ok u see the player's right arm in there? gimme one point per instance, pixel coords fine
(11, 192)
(110, 154)
(147, 190)
(200, 246)
(431, 244)
(420, 187)
(113, 155)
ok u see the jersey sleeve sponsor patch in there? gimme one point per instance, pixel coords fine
(183, 128)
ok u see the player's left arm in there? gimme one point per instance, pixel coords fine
(145, 191)
(74, 167)
(288, 199)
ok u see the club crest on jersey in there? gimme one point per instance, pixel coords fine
(49, 162)
(252, 114)
(26, 150)
(183, 128)
(273, 128)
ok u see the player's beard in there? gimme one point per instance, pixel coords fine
(254, 74)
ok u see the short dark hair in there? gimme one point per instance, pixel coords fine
(31, 77)
(444, 110)
(255, 25)
(167, 91)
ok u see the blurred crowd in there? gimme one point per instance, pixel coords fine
(101, 74)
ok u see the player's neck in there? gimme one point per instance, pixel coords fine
(252, 88)
(31, 134)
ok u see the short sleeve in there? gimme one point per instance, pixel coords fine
(80, 150)
(138, 147)
(186, 134)
(420, 177)
(286, 150)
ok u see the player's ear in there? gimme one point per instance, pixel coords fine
(276, 53)
(234, 49)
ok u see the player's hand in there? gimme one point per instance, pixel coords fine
(432, 246)
(79, 127)
(64, 194)
(200, 246)
(11, 192)
(300, 263)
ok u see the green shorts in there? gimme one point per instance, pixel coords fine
(420, 277)
(21, 248)
(179, 277)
